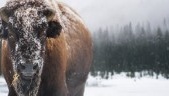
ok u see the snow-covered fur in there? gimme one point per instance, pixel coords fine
(51, 37)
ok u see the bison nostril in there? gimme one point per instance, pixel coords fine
(35, 67)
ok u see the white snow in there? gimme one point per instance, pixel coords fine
(118, 85)
(3, 88)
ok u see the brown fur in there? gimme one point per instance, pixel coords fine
(67, 62)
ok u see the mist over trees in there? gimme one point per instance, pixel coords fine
(132, 49)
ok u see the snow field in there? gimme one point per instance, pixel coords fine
(118, 85)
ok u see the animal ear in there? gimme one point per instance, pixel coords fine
(54, 29)
(3, 30)
(4, 14)
(4, 18)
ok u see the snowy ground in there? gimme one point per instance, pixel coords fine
(118, 85)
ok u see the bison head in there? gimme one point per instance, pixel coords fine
(26, 26)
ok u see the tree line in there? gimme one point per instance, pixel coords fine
(132, 49)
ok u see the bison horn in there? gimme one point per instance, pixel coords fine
(4, 14)
(50, 14)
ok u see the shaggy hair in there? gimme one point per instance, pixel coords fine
(67, 49)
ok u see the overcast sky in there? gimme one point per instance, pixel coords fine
(97, 13)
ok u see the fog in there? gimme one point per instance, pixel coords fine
(105, 13)
(101, 13)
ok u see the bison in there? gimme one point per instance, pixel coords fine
(46, 49)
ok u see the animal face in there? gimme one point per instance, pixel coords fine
(26, 29)
(26, 37)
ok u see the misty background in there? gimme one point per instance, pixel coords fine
(128, 35)
(106, 13)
